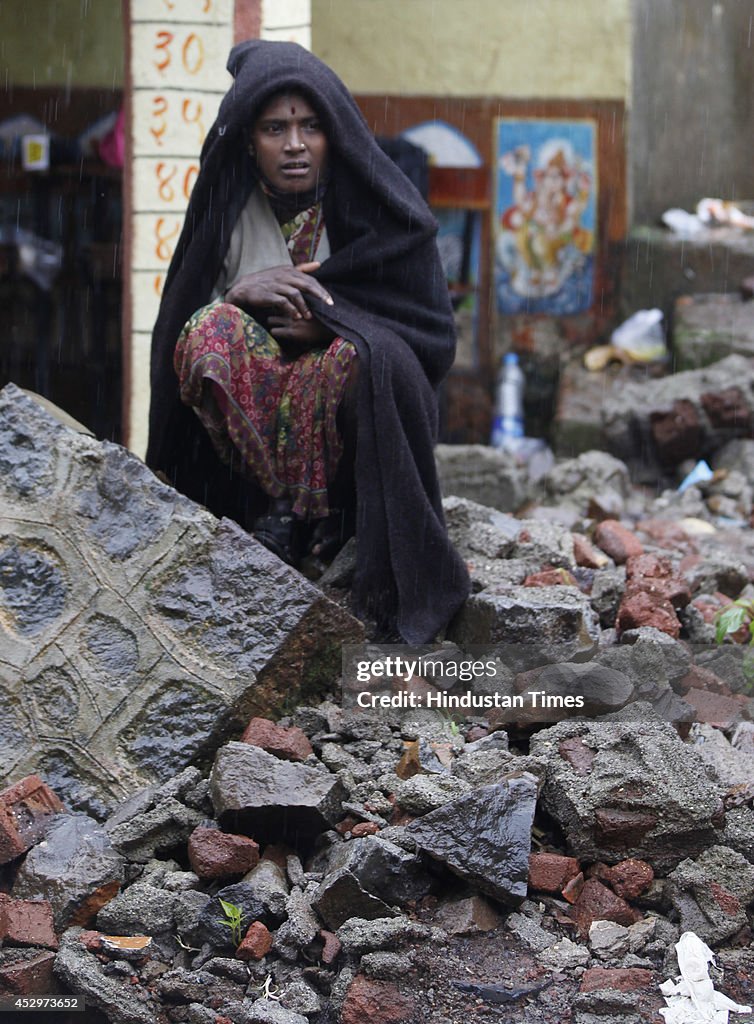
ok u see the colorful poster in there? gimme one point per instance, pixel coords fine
(545, 215)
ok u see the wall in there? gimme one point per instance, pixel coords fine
(76, 43)
(693, 103)
(509, 48)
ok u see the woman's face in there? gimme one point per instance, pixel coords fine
(289, 144)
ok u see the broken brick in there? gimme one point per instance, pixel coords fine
(26, 923)
(630, 878)
(598, 903)
(379, 1002)
(620, 979)
(256, 943)
(27, 973)
(289, 744)
(617, 541)
(25, 809)
(216, 854)
(332, 947)
(550, 872)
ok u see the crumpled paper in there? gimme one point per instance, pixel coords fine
(692, 998)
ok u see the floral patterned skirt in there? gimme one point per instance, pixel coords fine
(277, 411)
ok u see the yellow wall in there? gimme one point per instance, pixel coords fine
(77, 43)
(511, 48)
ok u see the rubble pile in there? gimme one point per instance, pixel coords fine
(528, 861)
(341, 863)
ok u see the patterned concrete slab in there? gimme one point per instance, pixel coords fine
(137, 631)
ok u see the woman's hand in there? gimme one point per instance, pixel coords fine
(299, 335)
(282, 289)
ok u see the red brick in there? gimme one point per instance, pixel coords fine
(365, 828)
(677, 432)
(550, 578)
(256, 944)
(91, 939)
(26, 923)
(656, 573)
(25, 808)
(714, 708)
(621, 979)
(550, 872)
(701, 678)
(598, 903)
(216, 854)
(332, 948)
(617, 541)
(572, 890)
(29, 977)
(289, 744)
(643, 608)
(11, 843)
(379, 1002)
(586, 554)
(345, 825)
(630, 878)
(577, 754)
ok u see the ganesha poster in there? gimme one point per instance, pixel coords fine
(545, 215)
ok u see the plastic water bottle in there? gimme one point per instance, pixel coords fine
(508, 424)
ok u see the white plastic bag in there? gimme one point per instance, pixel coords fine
(692, 998)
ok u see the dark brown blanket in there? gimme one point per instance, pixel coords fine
(391, 301)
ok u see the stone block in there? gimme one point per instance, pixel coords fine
(622, 979)
(598, 903)
(471, 916)
(629, 878)
(136, 629)
(617, 541)
(75, 868)
(627, 786)
(528, 624)
(482, 474)
(120, 1001)
(709, 327)
(256, 794)
(711, 894)
(484, 837)
(654, 426)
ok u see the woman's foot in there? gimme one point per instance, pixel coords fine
(279, 531)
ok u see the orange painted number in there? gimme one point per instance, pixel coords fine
(157, 284)
(165, 236)
(165, 39)
(192, 53)
(189, 178)
(192, 114)
(159, 110)
(165, 175)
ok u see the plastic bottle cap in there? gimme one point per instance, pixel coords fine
(511, 359)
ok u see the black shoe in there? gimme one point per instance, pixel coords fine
(278, 531)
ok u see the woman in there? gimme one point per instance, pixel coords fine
(368, 305)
